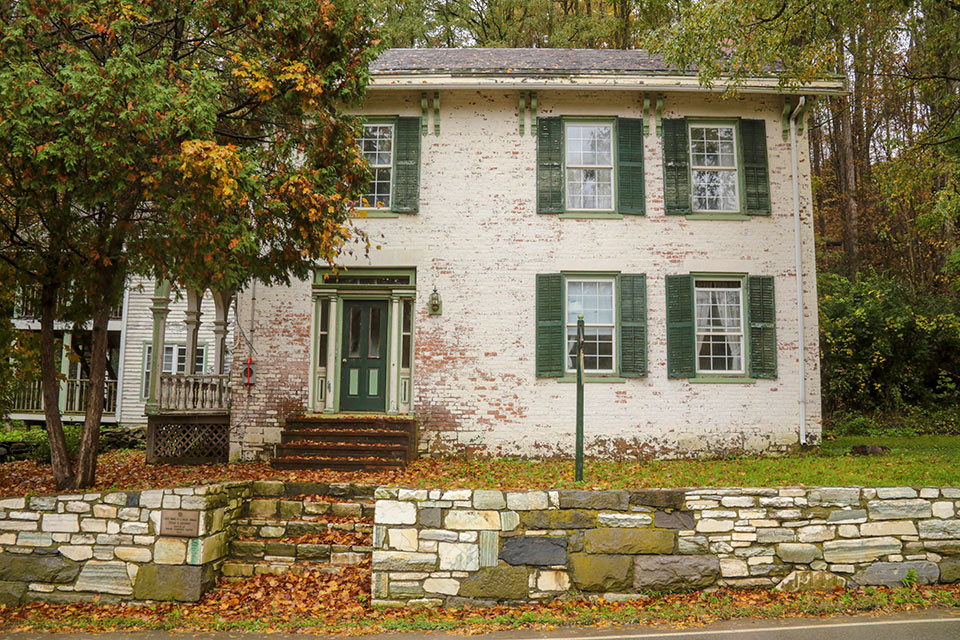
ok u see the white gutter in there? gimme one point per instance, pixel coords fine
(447, 81)
(801, 340)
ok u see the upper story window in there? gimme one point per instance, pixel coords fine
(713, 166)
(377, 145)
(719, 325)
(589, 166)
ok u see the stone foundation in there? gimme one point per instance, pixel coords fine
(435, 547)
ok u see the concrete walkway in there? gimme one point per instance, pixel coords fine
(937, 624)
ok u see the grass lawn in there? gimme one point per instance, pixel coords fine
(920, 460)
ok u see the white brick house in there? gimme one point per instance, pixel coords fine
(525, 187)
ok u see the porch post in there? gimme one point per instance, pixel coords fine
(222, 298)
(332, 339)
(160, 309)
(67, 343)
(394, 389)
(192, 320)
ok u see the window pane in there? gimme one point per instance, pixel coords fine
(720, 353)
(591, 298)
(354, 337)
(715, 190)
(589, 189)
(589, 144)
(712, 147)
(373, 344)
(168, 354)
(406, 346)
(377, 145)
(597, 348)
(718, 311)
(200, 359)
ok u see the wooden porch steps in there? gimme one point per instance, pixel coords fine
(346, 443)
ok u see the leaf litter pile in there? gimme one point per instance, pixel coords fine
(320, 602)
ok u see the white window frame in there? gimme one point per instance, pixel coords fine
(741, 288)
(586, 325)
(610, 124)
(178, 349)
(373, 167)
(735, 169)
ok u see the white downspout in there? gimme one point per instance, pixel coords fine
(801, 340)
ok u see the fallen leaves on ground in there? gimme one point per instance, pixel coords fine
(330, 536)
(320, 602)
(918, 461)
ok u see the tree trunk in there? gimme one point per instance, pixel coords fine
(49, 376)
(848, 185)
(86, 470)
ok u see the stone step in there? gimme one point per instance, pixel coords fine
(371, 423)
(273, 508)
(343, 450)
(234, 569)
(278, 528)
(350, 435)
(336, 464)
(281, 551)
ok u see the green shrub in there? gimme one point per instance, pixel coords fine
(910, 421)
(885, 349)
(37, 437)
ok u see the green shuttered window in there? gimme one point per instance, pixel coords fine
(706, 335)
(406, 166)
(572, 171)
(715, 166)
(615, 315)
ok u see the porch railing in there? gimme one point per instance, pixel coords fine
(29, 399)
(197, 392)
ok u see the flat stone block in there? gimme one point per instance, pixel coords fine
(430, 517)
(668, 573)
(179, 583)
(402, 539)
(899, 509)
(891, 574)
(624, 520)
(534, 550)
(660, 498)
(847, 516)
(886, 493)
(20, 567)
(950, 570)
(772, 535)
(489, 547)
(395, 512)
(469, 519)
(60, 523)
(847, 551)
(601, 572)
(711, 525)
(798, 553)
(133, 554)
(484, 499)
(403, 561)
(551, 580)
(575, 499)
(558, 519)
(834, 496)
(446, 586)
(811, 581)
(682, 520)
(105, 577)
(263, 508)
(170, 551)
(527, 500)
(497, 583)
(458, 556)
(11, 593)
(267, 488)
(888, 528)
(290, 509)
(939, 529)
(630, 541)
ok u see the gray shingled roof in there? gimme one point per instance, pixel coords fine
(518, 61)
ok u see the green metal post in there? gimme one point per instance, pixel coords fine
(579, 472)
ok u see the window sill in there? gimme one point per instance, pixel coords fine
(591, 215)
(722, 380)
(591, 379)
(375, 213)
(718, 216)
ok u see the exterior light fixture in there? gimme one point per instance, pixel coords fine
(436, 305)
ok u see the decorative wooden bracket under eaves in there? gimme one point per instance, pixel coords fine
(528, 98)
(425, 112)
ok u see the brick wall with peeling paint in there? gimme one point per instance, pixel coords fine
(478, 239)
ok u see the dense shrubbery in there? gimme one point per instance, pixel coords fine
(886, 352)
(31, 442)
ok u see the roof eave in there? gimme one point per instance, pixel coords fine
(592, 81)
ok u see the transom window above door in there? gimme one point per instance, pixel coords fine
(713, 166)
(594, 299)
(377, 146)
(719, 325)
(589, 166)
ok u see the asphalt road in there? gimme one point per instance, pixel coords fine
(942, 624)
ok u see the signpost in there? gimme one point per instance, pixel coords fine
(579, 470)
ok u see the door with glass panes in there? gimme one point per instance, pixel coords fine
(363, 368)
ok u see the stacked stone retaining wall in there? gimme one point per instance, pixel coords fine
(107, 546)
(437, 547)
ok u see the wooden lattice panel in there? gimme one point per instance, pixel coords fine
(188, 439)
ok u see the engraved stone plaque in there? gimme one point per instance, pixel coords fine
(180, 522)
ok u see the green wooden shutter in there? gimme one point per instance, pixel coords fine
(763, 329)
(549, 165)
(630, 166)
(676, 167)
(753, 140)
(633, 325)
(406, 166)
(551, 345)
(681, 339)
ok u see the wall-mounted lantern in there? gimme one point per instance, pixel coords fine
(436, 305)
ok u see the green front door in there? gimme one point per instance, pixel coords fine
(363, 369)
